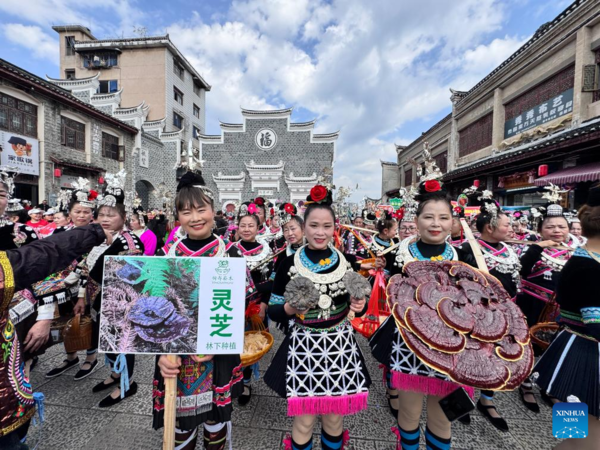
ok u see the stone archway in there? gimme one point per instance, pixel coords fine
(145, 190)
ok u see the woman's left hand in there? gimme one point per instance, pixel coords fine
(199, 359)
(263, 311)
(357, 304)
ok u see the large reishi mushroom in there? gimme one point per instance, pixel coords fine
(461, 322)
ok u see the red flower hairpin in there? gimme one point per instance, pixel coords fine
(318, 193)
(433, 186)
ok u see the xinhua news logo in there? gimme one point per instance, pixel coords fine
(570, 420)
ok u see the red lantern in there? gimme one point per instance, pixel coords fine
(57, 173)
(476, 183)
(100, 179)
(543, 170)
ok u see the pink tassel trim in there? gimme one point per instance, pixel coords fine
(287, 442)
(342, 405)
(396, 431)
(345, 438)
(426, 385)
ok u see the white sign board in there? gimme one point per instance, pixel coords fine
(21, 152)
(185, 306)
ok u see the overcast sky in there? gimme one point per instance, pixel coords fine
(379, 71)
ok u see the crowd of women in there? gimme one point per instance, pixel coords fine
(302, 262)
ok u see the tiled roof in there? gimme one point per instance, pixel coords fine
(59, 94)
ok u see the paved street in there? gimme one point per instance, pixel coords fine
(73, 420)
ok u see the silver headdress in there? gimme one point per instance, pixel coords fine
(83, 193)
(115, 189)
(410, 204)
(489, 206)
(554, 196)
(7, 176)
(14, 205)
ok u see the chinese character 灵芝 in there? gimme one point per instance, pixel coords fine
(220, 323)
(221, 299)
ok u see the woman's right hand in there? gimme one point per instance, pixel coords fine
(291, 311)
(79, 306)
(548, 243)
(168, 368)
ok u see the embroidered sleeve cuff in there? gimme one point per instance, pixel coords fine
(276, 299)
(81, 292)
(45, 312)
(590, 315)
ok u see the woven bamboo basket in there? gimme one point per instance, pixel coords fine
(248, 360)
(548, 327)
(77, 333)
(56, 329)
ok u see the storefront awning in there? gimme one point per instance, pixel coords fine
(577, 174)
(76, 165)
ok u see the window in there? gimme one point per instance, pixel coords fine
(69, 74)
(178, 70)
(69, 45)
(108, 86)
(177, 121)
(196, 111)
(178, 96)
(73, 133)
(18, 116)
(197, 132)
(99, 60)
(110, 146)
(197, 89)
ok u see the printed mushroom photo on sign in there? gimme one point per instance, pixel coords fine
(149, 305)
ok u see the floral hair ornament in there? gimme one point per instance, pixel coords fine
(7, 176)
(252, 209)
(286, 212)
(318, 194)
(83, 194)
(490, 207)
(554, 196)
(114, 193)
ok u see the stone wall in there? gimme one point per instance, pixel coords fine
(162, 158)
(301, 156)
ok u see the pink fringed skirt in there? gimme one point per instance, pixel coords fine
(403, 370)
(325, 372)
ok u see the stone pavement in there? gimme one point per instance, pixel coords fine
(74, 422)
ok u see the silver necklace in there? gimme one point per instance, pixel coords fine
(254, 260)
(329, 285)
(503, 264)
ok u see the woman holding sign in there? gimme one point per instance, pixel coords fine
(315, 290)
(206, 384)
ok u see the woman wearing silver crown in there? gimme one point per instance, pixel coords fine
(541, 267)
(569, 370)
(259, 259)
(112, 217)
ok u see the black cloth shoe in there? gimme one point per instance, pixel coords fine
(62, 369)
(498, 422)
(102, 386)
(531, 406)
(244, 399)
(34, 362)
(548, 399)
(466, 419)
(109, 401)
(393, 411)
(82, 373)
